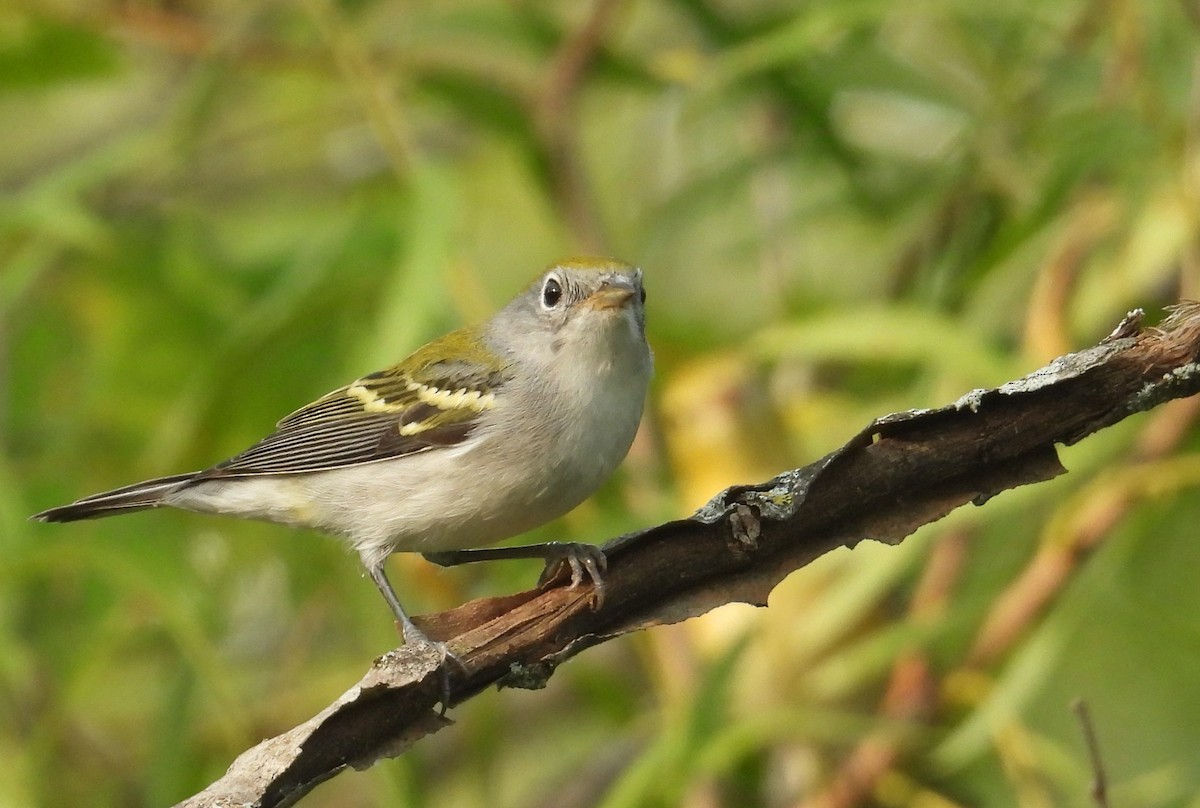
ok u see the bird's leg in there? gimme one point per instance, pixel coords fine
(582, 558)
(412, 635)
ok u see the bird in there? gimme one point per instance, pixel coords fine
(478, 436)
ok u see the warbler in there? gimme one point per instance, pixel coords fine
(480, 435)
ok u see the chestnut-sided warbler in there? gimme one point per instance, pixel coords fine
(482, 434)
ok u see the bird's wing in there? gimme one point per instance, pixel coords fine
(420, 405)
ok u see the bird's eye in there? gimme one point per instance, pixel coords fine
(643, 294)
(551, 293)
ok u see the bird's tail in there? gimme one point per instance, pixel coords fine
(136, 497)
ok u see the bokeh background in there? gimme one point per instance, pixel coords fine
(212, 212)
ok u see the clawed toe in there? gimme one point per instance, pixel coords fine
(447, 659)
(583, 560)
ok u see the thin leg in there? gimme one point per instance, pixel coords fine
(582, 558)
(413, 635)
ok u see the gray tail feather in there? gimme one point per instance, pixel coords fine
(136, 497)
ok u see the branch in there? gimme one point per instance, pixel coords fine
(903, 471)
(912, 693)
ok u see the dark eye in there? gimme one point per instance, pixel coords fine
(643, 294)
(551, 293)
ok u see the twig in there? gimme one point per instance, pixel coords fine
(1099, 788)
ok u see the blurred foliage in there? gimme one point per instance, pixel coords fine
(212, 212)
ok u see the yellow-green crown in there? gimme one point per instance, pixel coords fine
(591, 263)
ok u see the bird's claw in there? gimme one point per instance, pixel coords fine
(581, 559)
(416, 639)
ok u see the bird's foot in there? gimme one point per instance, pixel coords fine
(582, 559)
(419, 642)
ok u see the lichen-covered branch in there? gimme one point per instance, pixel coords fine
(902, 471)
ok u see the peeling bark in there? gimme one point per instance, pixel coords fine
(904, 470)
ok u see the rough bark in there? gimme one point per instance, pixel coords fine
(904, 470)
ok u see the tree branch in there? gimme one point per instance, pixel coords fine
(902, 471)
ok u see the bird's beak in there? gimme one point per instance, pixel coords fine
(614, 294)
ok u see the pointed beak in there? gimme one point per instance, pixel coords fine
(612, 294)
